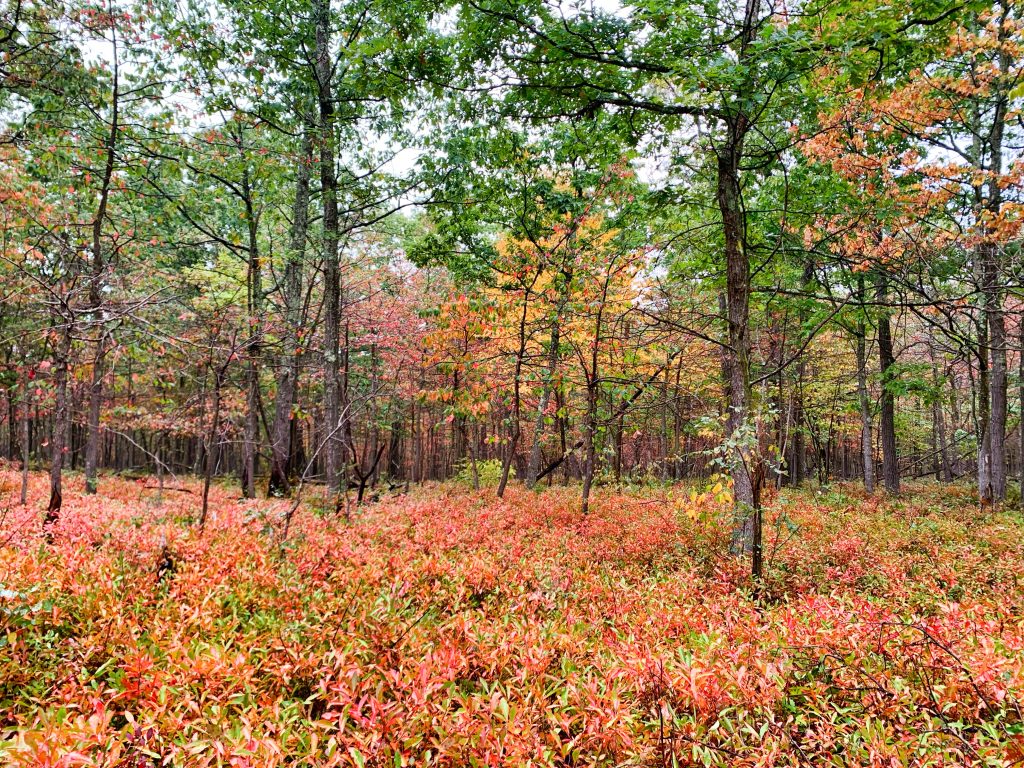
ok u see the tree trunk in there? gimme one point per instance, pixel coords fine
(254, 344)
(590, 448)
(396, 461)
(333, 458)
(513, 443)
(593, 378)
(26, 413)
(1020, 425)
(545, 396)
(212, 441)
(992, 266)
(866, 443)
(665, 436)
(887, 422)
(92, 445)
(61, 420)
(941, 435)
(736, 363)
(737, 273)
(998, 382)
(291, 356)
(982, 416)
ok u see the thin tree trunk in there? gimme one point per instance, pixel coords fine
(946, 467)
(61, 421)
(590, 454)
(513, 443)
(998, 381)
(982, 417)
(887, 422)
(92, 445)
(665, 437)
(212, 441)
(1020, 395)
(470, 444)
(545, 396)
(12, 424)
(593, 393)
(254, 345)
(866, 442)
(26, 414)
(160, 468)
(992, 266)
(396, 460)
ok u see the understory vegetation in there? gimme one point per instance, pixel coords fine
(448, 627)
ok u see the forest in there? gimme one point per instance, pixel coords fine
(511, 383)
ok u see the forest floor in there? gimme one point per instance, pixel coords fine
(450, 628)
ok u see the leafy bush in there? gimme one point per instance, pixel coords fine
(449, 628)
(488, 472)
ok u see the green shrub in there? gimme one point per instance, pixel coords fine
(488, 471)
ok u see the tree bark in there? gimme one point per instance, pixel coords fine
(333, 449)
(61, 419)
(513, 443)
(997, 378)
(737, 293)
(254, 344)
(736, 364)
(92, 445)
(290, 361)
(993, 266)
(212, 442)
(1020, 397)
(593, 392)
(941, 435)
(26, 395)
(589, 444)
(549, 381)
(866, 443)
(887, 421)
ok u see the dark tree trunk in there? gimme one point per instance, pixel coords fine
(1020, 396)
(396, 461)
(866, 441)
(26, 443)
(254, 345)
(998, 379)
(61, 420)
(729, 154)
(550, 374)
(291, 356)
(887, 421)
(941, 436)
(589, 445)
(992, 269)
(334, 429)
(513, 443)
(92, 445)
(212, 441)
(736, 364)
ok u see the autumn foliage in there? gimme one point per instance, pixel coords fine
(440, 628)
